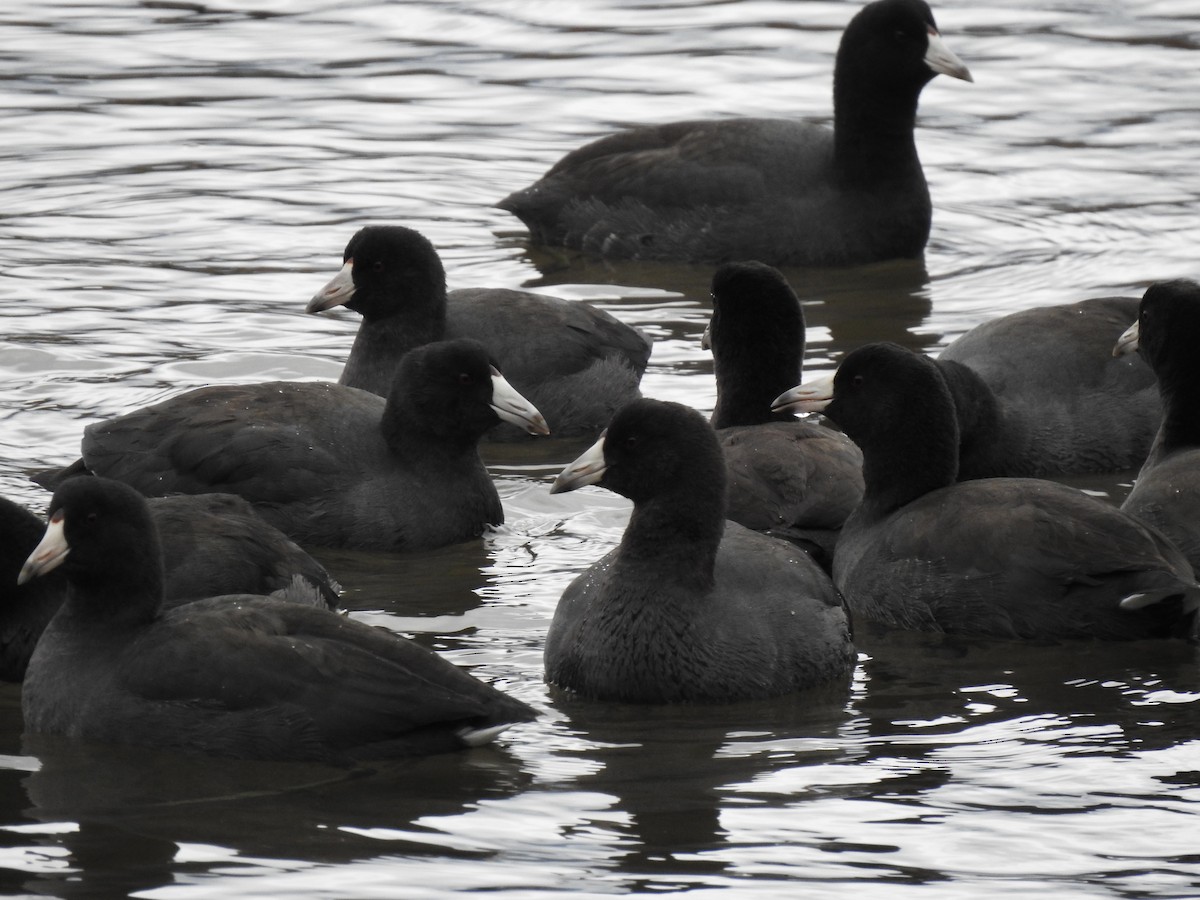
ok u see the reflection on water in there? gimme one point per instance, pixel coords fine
(179, 178)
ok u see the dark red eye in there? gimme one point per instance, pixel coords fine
(377, 266)
(465, 378)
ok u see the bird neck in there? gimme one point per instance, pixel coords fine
(122, 597)
(916, 456)
(746, 385)
(410, 325)
(873, 132)
(411, 440)
(677, 536)
(1180, 394)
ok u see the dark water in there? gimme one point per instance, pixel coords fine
(178, 178)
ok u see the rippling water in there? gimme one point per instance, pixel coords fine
(178, 178)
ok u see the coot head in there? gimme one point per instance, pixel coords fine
(455, 388)
(386, 270)
(650, 449)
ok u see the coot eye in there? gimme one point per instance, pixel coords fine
(377, 266)
(465, 378)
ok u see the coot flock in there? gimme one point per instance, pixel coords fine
(169, 599)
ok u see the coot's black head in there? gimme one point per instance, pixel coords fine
(1168, 329)
(386, 270)
(101, 534)
(454, 388)
(879, 388)
(757, 340)
(895, 45)
(652, 448)
(755, 311)
(895, 405)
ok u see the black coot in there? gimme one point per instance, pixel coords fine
(1167, 490)
(798, 480)
(576, 363)
(999, 557)
(248, 677)
(689, 607)
(330, 465)
(212, 544)
(781, 191)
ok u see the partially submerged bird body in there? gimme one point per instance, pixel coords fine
(326, 464)
(689, 607)
(212, 544)
(994, 557)
(240, 676)
(1039, 394)
(780, 191)
(290, 466)
(688, 643)
(1029, 559)
(576, 362)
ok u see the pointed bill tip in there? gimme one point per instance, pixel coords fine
(511, 406)
(1128, 341)
(337, 292)
(49, 554)
(588, 468)
(943, 60)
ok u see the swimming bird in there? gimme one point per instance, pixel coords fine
(793, 478)
(326, 464)
(577, 363)
(1166, 492)
(1038, 393)
(244, 676)
(781, 191)
(1017, 558)
(689, 607)
(212, 544)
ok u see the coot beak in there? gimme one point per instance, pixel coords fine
(812, 396)
(338, 292)
(706, 338)
(943, 60)
(589, 468)
(1128, 341)
(49, 553)
(510, 406)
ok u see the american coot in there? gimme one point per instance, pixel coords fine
(999, 557)
(1038, 393)
(797, 479)
(244, 676)
(326, 464)
(1167, 491)
(577, 363)
(780, 191)
(212, 544)
(689, 607)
